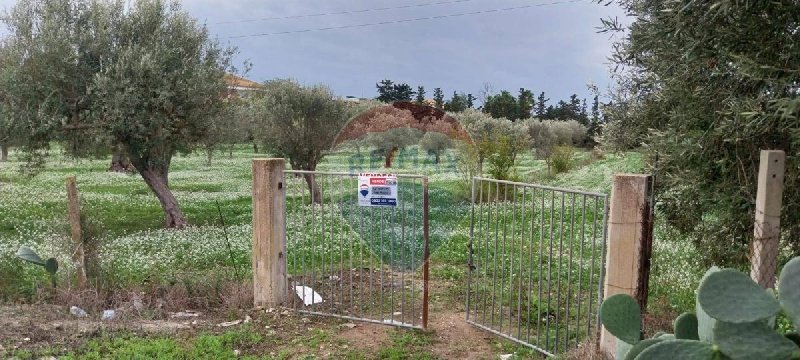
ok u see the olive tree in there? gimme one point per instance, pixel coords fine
(300, 123)
(435, 143)
(146, 78)
(733, 92)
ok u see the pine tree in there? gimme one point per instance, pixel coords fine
(420, 94)
(502, 105)
(457, 103)
(541, 106)
(470, 101)
(525, 103)
(594, 124)
(438, 97)
(385, 91)
(402, 92)
(583, 116)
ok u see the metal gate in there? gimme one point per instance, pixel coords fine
(356, 262)
(536, 259)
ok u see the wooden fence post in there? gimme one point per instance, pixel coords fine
(767, 231)
(74, 209)
(630, 239)
(269, 233)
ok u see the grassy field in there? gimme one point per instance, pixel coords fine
(132, 251)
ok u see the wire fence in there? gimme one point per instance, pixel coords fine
(362, 263)
(537, 262)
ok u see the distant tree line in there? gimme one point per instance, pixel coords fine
(524, 105)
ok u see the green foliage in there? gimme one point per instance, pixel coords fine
(438, 98)
(389, 92)
(735, 309)
(719, 288)
(299, 122)
(562, 159)
(459, 102)
(94, 74)
(734, 94)
(498, 141)
(436, 143)
(502, 105)
(789, 290)
(621, 316)
(686, 327)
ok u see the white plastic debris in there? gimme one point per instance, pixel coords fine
(74, 310)
(184, 314)
(108, 315)
(236, 352)
(308, 295)
(247, 319)
(229, 323)
(506, 356)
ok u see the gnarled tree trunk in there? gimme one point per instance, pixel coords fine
(390, 157)
(313, 188)
(209, 155)
(3, 153)
(120, 161)
(157, 179)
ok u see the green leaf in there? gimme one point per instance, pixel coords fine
(754, 340)
(731, 296)
(639, 347)
(705, 323)
(789, 290)
(686, 327)
(25, 253)
(622, 349)
(51, 265)
(621, 317)
(679, 349)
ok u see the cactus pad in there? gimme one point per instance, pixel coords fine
(753, 340)
(789, 290)
(705, 323)
(686, 327)
(679, 349)
(639, 347)
(731, 296)
(621, 317)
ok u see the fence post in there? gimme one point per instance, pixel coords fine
(74, 210)
(767, 230)
(630, 239)
(269, 233)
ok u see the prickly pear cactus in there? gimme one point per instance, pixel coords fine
(735, 320)
(621, 316)
(686, 327)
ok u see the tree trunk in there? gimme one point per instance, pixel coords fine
(119, 160)
(3, 153)
(389, 157)
(313, 188)
(436, 154)
(157, 180)
(230, 152)
(209, 155)
(255, 147)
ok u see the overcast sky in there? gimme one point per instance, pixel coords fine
(552, 48)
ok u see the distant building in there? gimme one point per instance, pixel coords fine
(240, 86)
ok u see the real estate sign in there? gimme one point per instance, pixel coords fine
(377, 189)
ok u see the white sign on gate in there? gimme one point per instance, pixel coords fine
(377, 189)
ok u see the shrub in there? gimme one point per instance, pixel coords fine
(735, 319)
(561, 160)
